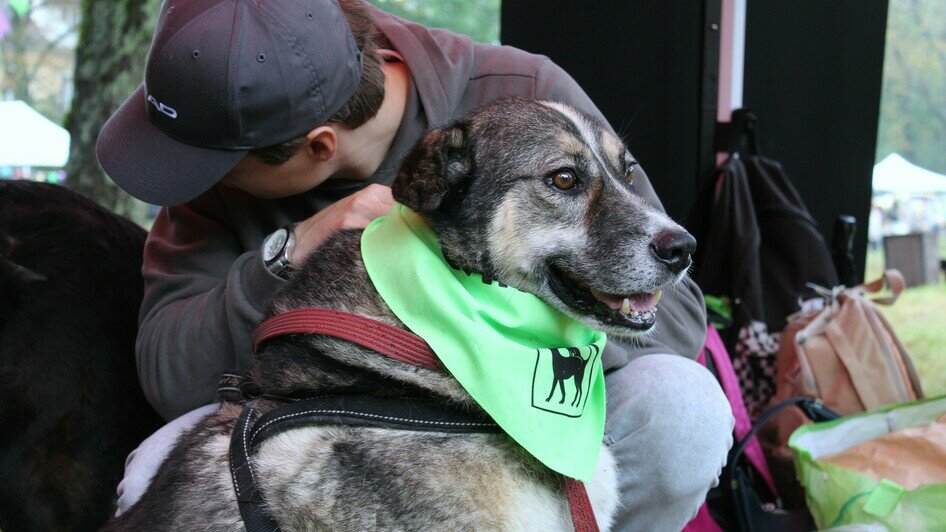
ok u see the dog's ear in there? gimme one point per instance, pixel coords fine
(441, 160)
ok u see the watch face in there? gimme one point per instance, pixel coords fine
(274, 244)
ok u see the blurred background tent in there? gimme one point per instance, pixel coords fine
(30, 139)
(898, 175)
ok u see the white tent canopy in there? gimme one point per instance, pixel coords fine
(28, 138)
(898, 175)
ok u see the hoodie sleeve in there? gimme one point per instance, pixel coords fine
(203, 296)
(681, 325)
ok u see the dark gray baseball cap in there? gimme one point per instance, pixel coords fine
(224, 77)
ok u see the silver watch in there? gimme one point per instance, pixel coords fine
(276, 250)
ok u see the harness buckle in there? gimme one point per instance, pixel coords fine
(236, 387)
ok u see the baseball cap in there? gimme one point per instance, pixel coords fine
(224, 77)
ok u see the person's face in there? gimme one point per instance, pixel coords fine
(297, 175)
(307, 169)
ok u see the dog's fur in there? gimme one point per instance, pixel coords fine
(71, 408)
(484, 185)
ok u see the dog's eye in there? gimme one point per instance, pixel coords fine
(564, 180)
(629, 173)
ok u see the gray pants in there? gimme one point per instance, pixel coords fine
(669, 427)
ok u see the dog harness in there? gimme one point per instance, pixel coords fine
(360, 410)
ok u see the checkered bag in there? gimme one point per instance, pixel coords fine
(754, 362)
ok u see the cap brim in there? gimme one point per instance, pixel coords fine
(150, 165)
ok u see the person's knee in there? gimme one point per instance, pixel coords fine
(675, 409)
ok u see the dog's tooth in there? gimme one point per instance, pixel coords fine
(625, 306)
(657, 295)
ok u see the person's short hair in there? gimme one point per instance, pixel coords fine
(364, 103)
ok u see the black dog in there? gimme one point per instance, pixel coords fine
(70, 405)
(566, 367)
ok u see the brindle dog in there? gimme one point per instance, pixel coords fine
(532, 194)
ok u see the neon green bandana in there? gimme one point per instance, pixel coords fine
(511, 351)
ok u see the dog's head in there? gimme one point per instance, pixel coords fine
(541, 197)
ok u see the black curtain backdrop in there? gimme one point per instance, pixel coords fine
(641, 63)
(812, 74)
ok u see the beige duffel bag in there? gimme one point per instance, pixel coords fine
(848, 355)
(845, 354)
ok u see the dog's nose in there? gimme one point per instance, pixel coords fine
(674, 248)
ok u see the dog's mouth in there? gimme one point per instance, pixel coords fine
(636, 311)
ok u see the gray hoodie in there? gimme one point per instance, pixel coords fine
(205, 284)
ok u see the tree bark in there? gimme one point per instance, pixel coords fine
(13, 49)
(113, 43)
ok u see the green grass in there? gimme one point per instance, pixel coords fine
(919, 319)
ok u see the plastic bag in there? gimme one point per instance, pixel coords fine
(839, 495)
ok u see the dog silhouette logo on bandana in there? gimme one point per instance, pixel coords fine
(563, 377)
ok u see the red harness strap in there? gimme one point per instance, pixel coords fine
(378, 336)
(405, 347)
(583, 517)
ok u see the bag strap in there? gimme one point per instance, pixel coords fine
(867, 346)
(715, 352)
(893, 280)
(908, 365)
(813, 407)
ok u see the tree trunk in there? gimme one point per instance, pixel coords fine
(13, 49)
(110, 57)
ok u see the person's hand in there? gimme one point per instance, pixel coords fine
(353, 212)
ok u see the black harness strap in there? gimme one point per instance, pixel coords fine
(402, 413)
(248, 496)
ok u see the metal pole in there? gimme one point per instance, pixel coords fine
(731, 57)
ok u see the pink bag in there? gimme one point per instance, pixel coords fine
(714, 348)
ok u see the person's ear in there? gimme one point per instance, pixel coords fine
(442, 160)
(321, 143)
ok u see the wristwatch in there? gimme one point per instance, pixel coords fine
(276, 250)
